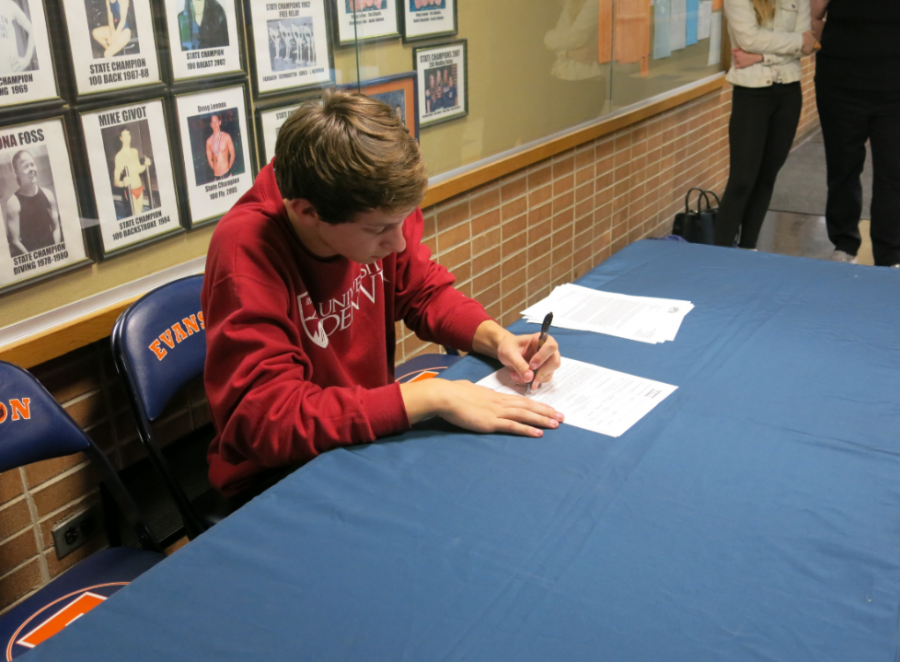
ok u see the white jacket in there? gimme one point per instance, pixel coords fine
(780, 42)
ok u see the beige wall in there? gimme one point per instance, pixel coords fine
(508, 243)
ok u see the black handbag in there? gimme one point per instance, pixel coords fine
(698, 227)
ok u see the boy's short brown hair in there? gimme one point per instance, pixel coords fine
(346, 154)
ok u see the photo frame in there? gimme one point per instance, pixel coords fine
(449, 99)
(398, 91)
(38, 203)
(215, 150)
(108, 57)
(428, 19)
(269, 119)
(365, 20)
(132, 178)
(204, 38)
(29, 75)
(291, 45)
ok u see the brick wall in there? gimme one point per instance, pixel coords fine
(508, 243)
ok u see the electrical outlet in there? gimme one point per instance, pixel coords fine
(72, 533)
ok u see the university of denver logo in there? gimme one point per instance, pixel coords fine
(17, 410)
(320, 320)
(176, 333)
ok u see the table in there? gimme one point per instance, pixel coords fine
(752, 515)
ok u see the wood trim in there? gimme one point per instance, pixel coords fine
(64, 338)
(61, 339)
(505, 166)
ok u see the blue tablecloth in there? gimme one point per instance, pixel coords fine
(752, 515)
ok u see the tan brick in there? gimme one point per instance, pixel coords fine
(457, 256)
(540, 195)
(563, 185)
(513, 188)
(486, 260)
(71, 377)
(489, 295)
(485, 241)
(462, 272)
(19, 582)
(540, 214)
(563, 166)
(40, 472)
(540, 176)
(564, 201)
(514, 244)
(539, 266)
(13, 518)
(514, 262)
(563, 236)
(538, 249)
(50, 497)
(454, 236)
(481, 201)
(515, 281)
(514, 227)
(451, 215)
(88, 411)
(18, 549)
(538, 232)
(512, 209)
(489, 278)
(485, 222)
(10, 485)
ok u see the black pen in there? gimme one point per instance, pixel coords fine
(545, 329)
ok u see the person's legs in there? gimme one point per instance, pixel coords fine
(782, 129)
(885, 142)
(845, 127)
(746, 138)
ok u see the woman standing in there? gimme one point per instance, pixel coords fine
(769, 37)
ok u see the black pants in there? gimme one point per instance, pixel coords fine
(760, 134)
(849, 118)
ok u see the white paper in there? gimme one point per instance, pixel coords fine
(212, 186)
(715, 39)
(144, 165)
(703, 19)
(645, 319)
(678, 25)
(219, 53)
(591, 397)
(291, 44)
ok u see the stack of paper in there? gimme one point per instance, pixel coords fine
(645, 319)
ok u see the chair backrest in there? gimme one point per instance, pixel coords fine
(160, 341)
(35, 427)
(159, 346)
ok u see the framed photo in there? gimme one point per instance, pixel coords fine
(215, 150)
(442, 82)
(424, 19)
(26, 64)
(290, 45)
(399, 92)
(41, 219)
(203, 38)
(131, 172)
(112, 44)
(365, 20)
(269, 120)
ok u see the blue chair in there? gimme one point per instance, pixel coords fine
(34, 427)
(425, 366)
(159, 347)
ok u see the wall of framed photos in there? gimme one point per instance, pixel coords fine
(128, 127)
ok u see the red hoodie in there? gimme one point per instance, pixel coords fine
(300, 350)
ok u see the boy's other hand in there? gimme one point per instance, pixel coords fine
(477, 408)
